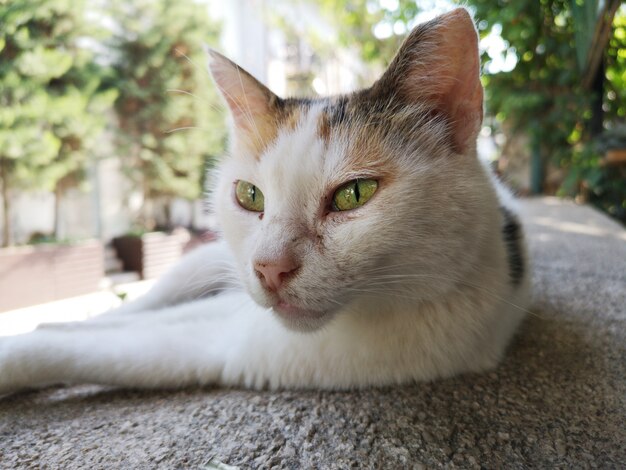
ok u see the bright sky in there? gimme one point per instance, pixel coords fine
(502, 56)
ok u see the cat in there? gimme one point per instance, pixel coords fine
(363, 244)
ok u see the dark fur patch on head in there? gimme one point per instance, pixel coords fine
(365, 113)
(289, 111)
(513, 239)
(333, 116)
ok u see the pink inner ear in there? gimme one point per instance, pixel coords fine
(247, 99)
(463, 101)
(246, 108)
(439, 64)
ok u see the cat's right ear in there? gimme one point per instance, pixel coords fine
(252, 105)
(438, 65)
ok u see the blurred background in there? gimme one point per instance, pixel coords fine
(109, 121)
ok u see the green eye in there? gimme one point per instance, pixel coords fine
(249, 196)
(354, 194)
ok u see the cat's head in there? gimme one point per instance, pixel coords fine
(326, 202)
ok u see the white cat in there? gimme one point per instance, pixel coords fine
(363, 244)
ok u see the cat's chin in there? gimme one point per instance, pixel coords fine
(300, 319)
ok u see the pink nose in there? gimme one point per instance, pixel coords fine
(273, 273)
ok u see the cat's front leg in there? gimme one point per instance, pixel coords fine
(174, 347)
(201, 273)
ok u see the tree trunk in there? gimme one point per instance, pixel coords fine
(167, 210)
(600, 39)
(536, 163)
(147, 208)
(58, 194)
(597, 117)
(147, 214)
(7, 239)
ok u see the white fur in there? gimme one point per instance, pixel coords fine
(413, 285)
(420, 328)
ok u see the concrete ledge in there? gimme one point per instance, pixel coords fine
(557, 401)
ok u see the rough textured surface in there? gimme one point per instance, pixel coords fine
(557, 400)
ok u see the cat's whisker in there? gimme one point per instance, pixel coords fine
(207, 281)
(184, 128)
(400, 278)
(207, 292)
(246, 112)
(408, 265)
(204, 99)
(202, 70)
(416, 297)
(249, 111)
(193, 286)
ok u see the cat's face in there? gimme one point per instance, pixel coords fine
(330, 201)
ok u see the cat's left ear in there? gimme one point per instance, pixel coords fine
(438, 65)
(252, 105)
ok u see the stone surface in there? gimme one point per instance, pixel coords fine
(557, 400)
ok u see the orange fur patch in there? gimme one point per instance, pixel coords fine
(263, 131)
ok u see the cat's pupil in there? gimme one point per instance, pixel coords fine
(253, 193)
(357, 194)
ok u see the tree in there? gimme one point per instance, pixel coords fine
(551, 97)
(546, 94)
(169, 116)
(51, 104)
(374, 29)
(358, 19)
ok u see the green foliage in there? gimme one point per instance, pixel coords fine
(612, 139)
(353, 23)
(51, 104)
(39, 238)
(603, 182)
(61, 72)
(169, 117)
(615, 102)
(357, 22)
(357, 19)
(543, 96)
(584, 17)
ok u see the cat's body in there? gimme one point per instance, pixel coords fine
(425, 278)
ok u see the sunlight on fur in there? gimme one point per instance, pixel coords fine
(362, 244)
